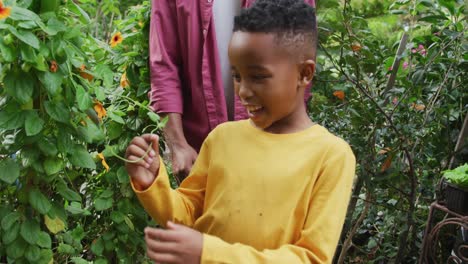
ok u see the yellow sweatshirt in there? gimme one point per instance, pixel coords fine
(259, 197)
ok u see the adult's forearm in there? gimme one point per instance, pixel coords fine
(173, 131)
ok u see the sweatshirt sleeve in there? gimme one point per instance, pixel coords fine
(322, 228)
(165, 60)
(183, 205)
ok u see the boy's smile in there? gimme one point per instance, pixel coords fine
(270, 81)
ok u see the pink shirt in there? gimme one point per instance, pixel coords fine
(184, 63)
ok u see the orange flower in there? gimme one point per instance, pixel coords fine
(100, 110)
(84, 74)
(4, 11)
(387, 163)
(53, 66)
(418, 107)
(124, 81)
(116, 39)
(356, 47)
(103, 161)
(339, 94)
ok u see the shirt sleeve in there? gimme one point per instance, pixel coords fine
(321, 231)
(183, 205)
(165, 59)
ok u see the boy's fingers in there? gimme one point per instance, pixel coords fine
(134, 150)
(162, 258)
(160, 246)
(161, 234)
(141, 163)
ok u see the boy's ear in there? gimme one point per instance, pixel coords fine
(307, 72)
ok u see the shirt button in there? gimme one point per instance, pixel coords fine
(204, 31)
(209, 1)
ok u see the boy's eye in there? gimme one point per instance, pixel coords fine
(236, 77)
(259, 77)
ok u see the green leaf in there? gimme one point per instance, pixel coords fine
(54, 26)
(9, 170)
(10, 219)
(30, 231)
(27, 53)
(44, 240)
(372, 243)
(117, 217)
(80, 157)
(129, 223)
(18, 13)
(75, 208)
(33, 123)
(19, 86)
(46, 257)
(64, 140)
(57, 111)
(67, 193)
(52, 82)
(25, 36)
(106, 194)
(39, 201)
(66, 249)
(115, 117)
(103, 203)
(48, 147)
(84, 17)
(11, 234)
(97, 247)
(154, 117)
(122, 175)
(12, 120)
(83, 99)
(8, 53)
(105, 73)
(114, 130)
(78, 260)
(53, 165)
(16, 249)
(33, 253)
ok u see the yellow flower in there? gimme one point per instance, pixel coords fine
(100, 110)
(103, 161)
(124, 81)
(4, 11)
(116, 39)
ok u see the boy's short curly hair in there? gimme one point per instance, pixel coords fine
(293, 21)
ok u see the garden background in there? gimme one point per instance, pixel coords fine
(73, 92)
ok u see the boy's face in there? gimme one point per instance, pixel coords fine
(268, 81)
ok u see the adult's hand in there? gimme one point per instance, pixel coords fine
(182, 154)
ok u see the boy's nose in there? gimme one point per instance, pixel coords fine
(244, 92)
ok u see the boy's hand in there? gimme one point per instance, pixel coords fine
(178, 244)
(144, 171)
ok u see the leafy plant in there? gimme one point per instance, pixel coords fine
(458, 176)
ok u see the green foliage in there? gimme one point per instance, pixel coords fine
(66, 98)
(458, 176)
(403, 132)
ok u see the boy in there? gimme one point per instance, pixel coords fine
(270, 189)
